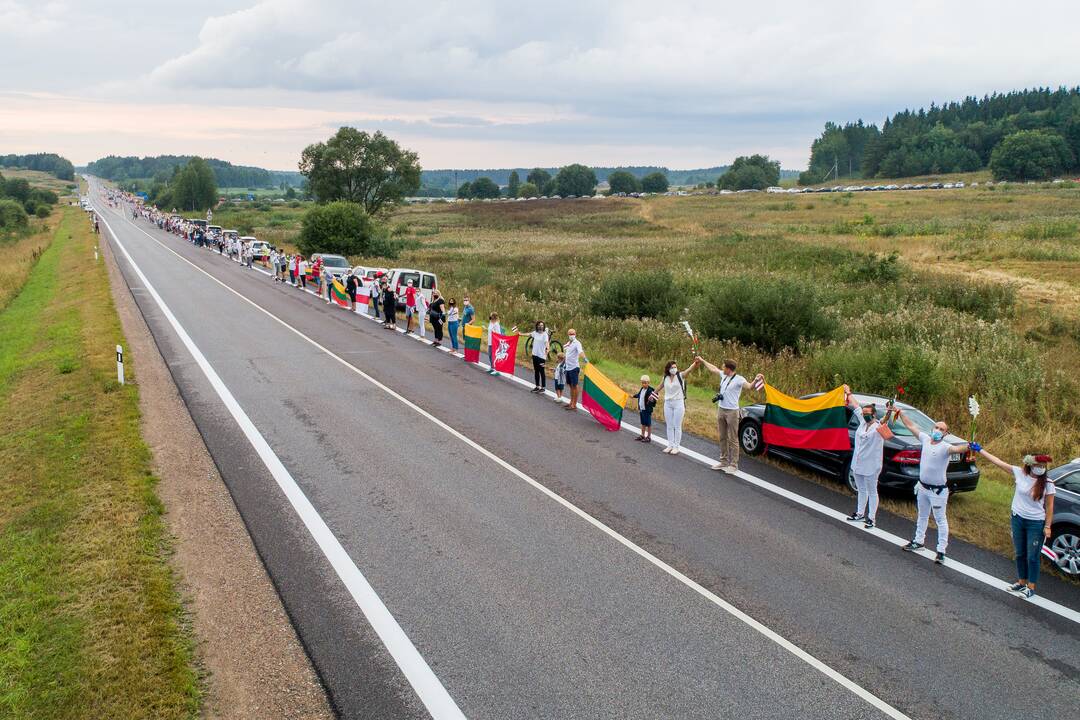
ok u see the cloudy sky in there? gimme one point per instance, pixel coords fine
(477, 83)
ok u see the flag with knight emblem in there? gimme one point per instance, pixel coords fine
(503, 352)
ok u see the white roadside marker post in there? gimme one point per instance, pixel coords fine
(120, 364)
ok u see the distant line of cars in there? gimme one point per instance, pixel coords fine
(862, 188)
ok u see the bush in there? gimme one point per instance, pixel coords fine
(985, 300)
(340, 227)
(881, 367)
(622, 181)
(771, 314)
(528, 190)
(42, 211)
(872, 268)
(574, 179)
(657, 182)
(12, 214)
(638, 294)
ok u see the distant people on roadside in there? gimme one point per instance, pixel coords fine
(327, 282)
(866, 460)
(574, 355)
(410, 305)
(932, 492)
(420, 309)
(437, 316)
(541, 341)
(559, 377)
(274, 264)
(493, 327)
(294, 270)
(468, 312)
(317, 274)
(727, 412)
(352, 282)
(646, 402)
(389, 299)
(1032, 514)
(452, 322)
(305, 268)
(674, 389)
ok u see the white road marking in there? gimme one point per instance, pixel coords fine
(962, 568)
(423, 680)
(712, 597)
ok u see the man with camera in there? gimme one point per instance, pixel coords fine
(727, 411)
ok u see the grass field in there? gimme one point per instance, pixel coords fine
(983, 296)
(90, 624)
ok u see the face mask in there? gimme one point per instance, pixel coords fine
(1038, 471)
(673, 371)
(937, 435)
(867, 418)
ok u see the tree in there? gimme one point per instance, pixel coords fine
(12, 214)
(539, 177)
(513, 184)
(755, 172)
(484, 188)
(372, 170)
(18, 188)
(464, 191)
(622, 181)
(1030, 155)
(657, 182)
(575, 179)
(340, 227)
(194, 187)
(528, 190)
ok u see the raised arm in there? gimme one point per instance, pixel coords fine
(708, 365)
(912, 428)
(850, 400)
(992, 458)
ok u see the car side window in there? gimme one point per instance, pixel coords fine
(1070, 482)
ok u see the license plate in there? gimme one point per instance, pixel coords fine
(954, 457)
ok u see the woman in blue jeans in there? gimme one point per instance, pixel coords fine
(1032, 515)
(452, 321)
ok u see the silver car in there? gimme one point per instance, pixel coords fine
(1065, 526)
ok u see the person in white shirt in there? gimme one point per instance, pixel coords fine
(1032, 515)
(494, 327)
(674, 390)
(727, 412)
(420, 311)
(932, 491)
(573, 354)
(541, 340)
(866, 461)
(274, 264)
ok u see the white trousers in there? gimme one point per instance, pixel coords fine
(867, 486)
(420, 322)
(932, 502)
(673, 415)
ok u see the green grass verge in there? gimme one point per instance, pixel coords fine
(90, 622)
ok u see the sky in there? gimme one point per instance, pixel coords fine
(483, 84)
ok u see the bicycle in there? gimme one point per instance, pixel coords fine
(554, 347)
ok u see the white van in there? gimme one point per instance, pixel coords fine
(399, 278)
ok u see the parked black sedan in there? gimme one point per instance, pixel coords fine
(902, 452)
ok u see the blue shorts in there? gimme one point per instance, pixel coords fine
(572, 376)
(646, 418)
(559, 386)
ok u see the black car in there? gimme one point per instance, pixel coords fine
(1065, 527)
(900, 470)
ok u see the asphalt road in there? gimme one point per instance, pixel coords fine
(519, 605)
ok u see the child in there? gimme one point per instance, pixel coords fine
(493, 327)
(560, 377)
(646, 399)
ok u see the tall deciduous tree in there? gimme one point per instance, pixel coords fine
(538, 177)
(755, 172)
(1030, 155)
(194, 187)
(484, 188)
(656, 182)
(371, 170)
(575, 179)
(622, 181)
(513, 184)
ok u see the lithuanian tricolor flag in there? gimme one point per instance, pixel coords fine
(338, 294)
(474, 335)
(603, 398)
(816, 423)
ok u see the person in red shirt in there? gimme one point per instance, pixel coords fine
(410, 305)
(316, 274)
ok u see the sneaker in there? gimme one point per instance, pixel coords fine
(1016, 587)
(639, 439)
(939, 558)
(1026, 592)
(731, 469)
(912, 546)
(718, 466)
(667, 450)
(647, 440)
(675, 451)
(855, 517)
(869, 524)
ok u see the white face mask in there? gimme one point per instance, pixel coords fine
(1038, 471)
(673, 371)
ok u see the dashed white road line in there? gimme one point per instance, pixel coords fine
(856, 689)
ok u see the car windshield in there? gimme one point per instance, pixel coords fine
(919, 419)
(335, 261)
(1057, 472)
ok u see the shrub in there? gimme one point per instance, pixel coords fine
(643, 294)
(872, 268)
(657, 182)
(339, 227)
(1030, 155)
(622, 181)
(771, 314)
(1053, 230)
(880, 368)
(985, 300)
(527, 190)
(12, 214)
(42, 211)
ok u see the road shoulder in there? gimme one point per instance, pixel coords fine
(254, 662)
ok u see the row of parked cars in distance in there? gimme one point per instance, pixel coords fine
(900, 469)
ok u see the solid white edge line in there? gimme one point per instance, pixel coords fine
(775, 637)
(416, 670)
(962, 568)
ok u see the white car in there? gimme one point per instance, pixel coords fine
(399, 278)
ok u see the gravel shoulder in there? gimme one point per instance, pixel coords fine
(254, 663)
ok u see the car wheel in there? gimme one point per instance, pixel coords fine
(848, 477)
(750, 438)
(1066, 543)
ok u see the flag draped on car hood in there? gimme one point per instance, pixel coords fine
(603, 398)
(817, 423)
